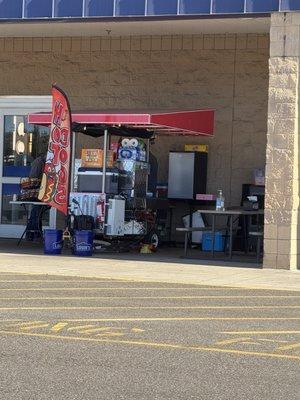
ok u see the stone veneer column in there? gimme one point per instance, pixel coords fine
(282, 233)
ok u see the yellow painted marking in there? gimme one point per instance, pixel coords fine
(262, 332)
(252, 342)
(274, 307)
(55, 280)
(28, 323)
(75, 328)
(28, 328)
(290, 346)
(273, 341)
(111, 334)
(231, 341)
(146, 297)
(157, 345)
(117, 288)
(58, 327)
(137, 330)
(184, 319)
(103, 328)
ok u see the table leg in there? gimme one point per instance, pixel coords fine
(25, 230)
(230, 236)
(258, 250)
(171, 224)
(186, 242)
(245, 223)
(213, 236)
(191, 223)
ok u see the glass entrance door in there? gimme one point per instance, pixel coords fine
(20, 145)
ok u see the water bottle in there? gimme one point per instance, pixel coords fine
(220, 202)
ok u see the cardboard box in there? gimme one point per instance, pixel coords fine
(93, 158)
(196, 147)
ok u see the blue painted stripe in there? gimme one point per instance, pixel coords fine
(10, 188)
(12, 171)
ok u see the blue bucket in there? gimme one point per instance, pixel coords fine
(83, 243)
(53, 242)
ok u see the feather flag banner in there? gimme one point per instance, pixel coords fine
(56, 177)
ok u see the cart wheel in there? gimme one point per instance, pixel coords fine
(153, 239)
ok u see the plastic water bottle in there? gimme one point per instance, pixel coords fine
(220, 202)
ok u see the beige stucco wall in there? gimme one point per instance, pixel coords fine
(225, 72)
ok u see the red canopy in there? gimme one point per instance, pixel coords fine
(195, 122)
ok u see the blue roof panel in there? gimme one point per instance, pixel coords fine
(27, 9)
(11, 8)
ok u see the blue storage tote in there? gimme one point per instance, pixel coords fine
(207, 241)
(53, 241)
(83, 243)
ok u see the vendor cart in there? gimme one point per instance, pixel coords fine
(117, 197)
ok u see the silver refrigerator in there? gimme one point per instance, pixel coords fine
(187, 174)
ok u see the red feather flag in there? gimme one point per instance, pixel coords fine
(56, 177)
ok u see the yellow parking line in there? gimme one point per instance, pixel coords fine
(75, 328)
(146, 297)
(58, 327)
(275, 307)
(262, 332)
(99, 329)
(56, 280)
(290, 347)
(29, 323)
(231, 341)
(28, 328)
(130, 319)
(115, 288)
(157, 345)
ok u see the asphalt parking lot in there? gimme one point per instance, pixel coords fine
(79, 338)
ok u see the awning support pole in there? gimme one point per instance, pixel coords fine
(73, 161)
(104, 159)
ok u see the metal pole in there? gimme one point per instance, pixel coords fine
(73, 161)
(149, 166)
(104, 159)
(230, 236)
(213, 235)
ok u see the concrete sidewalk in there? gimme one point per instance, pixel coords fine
(150, 269)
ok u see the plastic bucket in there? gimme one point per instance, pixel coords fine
(53, 242)
(83, 243)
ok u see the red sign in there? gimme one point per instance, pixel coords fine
(55, 182)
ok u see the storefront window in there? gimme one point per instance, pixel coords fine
(22, 144)
(261, 6)
(67, 8)
(101, 8)
(130, 7)
(11, 9)
(38, 9)
(12, 215)
(287, 5)
(15, 214)
(158, 7)
(228, 6)
(194, 6)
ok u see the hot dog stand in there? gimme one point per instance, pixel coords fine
(115, 193)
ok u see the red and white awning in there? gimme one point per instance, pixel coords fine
(195, 122)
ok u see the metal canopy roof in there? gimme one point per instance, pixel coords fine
(194, 122)
(81, 9)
